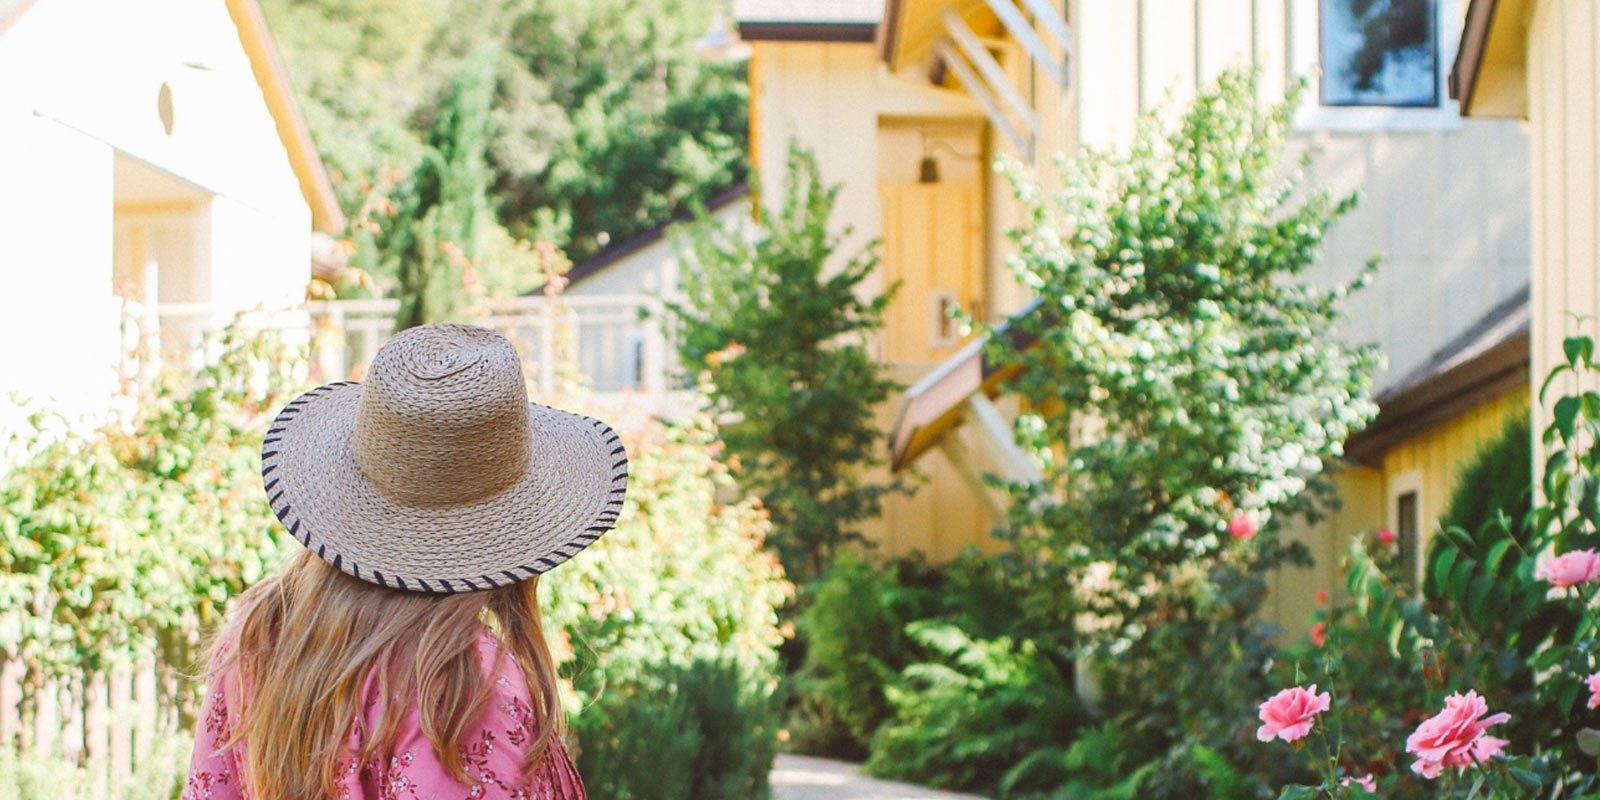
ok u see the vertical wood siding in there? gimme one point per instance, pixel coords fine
(1563, 81)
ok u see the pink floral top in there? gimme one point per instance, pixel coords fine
(492, 755)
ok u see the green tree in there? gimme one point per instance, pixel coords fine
(604, 122)
(1185, 388)
(610, 124)
(779, 326)
(437, 226)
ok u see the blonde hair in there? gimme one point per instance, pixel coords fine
(302, 645)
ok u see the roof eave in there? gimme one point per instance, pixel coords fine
(1499, 371)
(278, 92)
(932, 406)
(1488, 78)
(797, 31)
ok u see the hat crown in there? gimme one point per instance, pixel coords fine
(443, 417)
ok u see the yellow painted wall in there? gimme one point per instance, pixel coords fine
(831, 97)
(1439, 454)
(1428, 462)
(1563, 82)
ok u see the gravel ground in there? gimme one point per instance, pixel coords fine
(807, 778)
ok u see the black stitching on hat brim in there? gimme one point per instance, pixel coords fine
(603, 522)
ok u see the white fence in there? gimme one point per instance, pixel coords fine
(615, 342)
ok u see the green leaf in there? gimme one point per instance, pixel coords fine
(1579, 351)
(1298, 792)
(1442, 564)
(1497, 553)
(1527, 778)
(1461, 540)
(1565, 416)
(1559, 370)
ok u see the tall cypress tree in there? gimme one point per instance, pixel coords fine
(435, 234)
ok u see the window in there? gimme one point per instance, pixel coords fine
(1375, 65)
(1379, 53)
(1405, 517)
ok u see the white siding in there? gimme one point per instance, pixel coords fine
(1563, 82)
(1445, 205)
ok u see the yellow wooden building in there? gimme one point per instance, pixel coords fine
(1533, 60)
(906, 102)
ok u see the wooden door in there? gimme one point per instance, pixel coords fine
(933, 246)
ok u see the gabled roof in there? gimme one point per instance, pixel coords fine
(1487, 360)
(639, 241)
(309, 171)
(811, 21)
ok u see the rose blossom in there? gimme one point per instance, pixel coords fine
(1455, 736)
(1594, 689)
(1570, 569)
(1319, 634)
(1289, 714)
(1322, 597)
(1242, 526)
(1385, 536)
(1366, 782)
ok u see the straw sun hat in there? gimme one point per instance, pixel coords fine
(436, 474)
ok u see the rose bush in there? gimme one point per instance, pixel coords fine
(1503, 636)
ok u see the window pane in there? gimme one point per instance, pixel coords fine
(1379, 53)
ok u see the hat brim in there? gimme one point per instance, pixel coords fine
(571, 495)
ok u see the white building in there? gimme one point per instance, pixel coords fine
(149, 153)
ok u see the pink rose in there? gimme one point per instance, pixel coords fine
(1366, 782)
(1385, 536)
(1242, 526)
(1455, 736)
(1594, 689)
(1570, 569)
(1319, 634)
(1289, 714)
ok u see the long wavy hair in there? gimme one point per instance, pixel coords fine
(302, 645)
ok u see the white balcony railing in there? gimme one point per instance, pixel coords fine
(615, 342)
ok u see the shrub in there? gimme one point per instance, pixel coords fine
(127, 540)
(708, 730)
(776, 320)
(1487, 621)
(1184, 376)
(683, 577)
(1498, 480)
(994, 716)
(158, 774)
(1185, 389)
(672, 630)
(854, 632)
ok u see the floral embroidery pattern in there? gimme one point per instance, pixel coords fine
(206, 785)
(217, 716)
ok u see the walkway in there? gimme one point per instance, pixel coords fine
(807, 778)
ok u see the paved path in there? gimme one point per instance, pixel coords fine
(807, 778)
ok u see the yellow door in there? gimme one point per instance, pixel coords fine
(933, 246)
